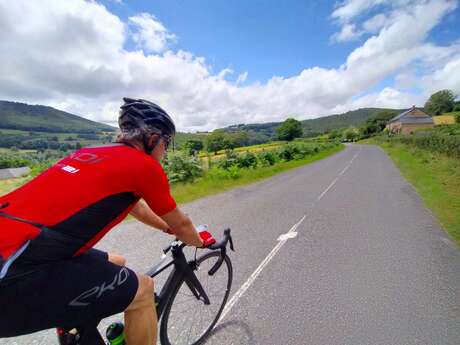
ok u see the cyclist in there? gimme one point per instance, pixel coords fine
(50, 276)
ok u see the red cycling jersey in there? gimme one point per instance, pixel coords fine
(81, 198)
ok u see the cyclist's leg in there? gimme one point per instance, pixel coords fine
(69, 293)
(140, 316)
(112, 257)
(117, 259)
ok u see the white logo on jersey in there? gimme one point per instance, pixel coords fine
(70, 169)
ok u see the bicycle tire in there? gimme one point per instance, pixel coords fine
(203, 262)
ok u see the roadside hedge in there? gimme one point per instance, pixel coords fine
(291, 151)
(443, 139)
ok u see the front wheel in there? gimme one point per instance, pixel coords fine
(187, 320)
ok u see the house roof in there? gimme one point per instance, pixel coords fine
(413, 119)
(405, 117)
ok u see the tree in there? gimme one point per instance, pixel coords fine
(351, 134)
(377, 122)
(457, 106)
(334, 134)
(440, 102)
(240, 138)
(290, 129)
(192, 146)
(218, 140)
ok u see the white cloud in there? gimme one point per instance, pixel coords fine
(389, 98)
(376, 23)
(242, 77)
(350, 9)
(150, 34)
(80, 64)
(447, 77)
(348, 33)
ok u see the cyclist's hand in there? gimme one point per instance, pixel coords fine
(205, 235)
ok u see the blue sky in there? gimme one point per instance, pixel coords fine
(217, 63)
(263, 37)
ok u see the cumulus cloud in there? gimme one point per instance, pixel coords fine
(376, 23)
(150, 34)
(388, 98)
(350, 9)
(81, 64)
(348, 33)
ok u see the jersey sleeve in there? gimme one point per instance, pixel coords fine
(153, 187)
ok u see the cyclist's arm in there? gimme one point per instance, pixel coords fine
(182, 227)
(143, 213)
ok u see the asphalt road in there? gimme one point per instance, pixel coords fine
(364, 261)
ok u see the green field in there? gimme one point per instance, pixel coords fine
(254, 148)
(436, 178)
(186, 192)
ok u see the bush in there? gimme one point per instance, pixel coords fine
(231, 159)
(267, 158)
(457, 116)
(182, 168)
(441, 139)
(218, 174)
(288, 152)
(9, 161)
(247, 160)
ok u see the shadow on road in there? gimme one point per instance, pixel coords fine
(231, 332)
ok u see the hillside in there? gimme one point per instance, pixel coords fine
(312, 127)
(41, 118)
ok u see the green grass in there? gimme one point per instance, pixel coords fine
(183, 193)
(435, 177)
(453, 113)
(7, 186)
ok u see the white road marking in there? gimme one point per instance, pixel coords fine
(327, 189)
(337, 178)
(254, 275)
(287, 236)
(282, 240)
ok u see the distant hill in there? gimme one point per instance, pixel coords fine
(41, 118)
(312, 127)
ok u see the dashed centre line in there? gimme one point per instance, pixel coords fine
(282, 240)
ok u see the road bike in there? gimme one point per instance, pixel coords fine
(190, 302)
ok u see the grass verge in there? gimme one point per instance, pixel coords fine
(183, 193)
(435, 177)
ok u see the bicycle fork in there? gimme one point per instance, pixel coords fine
(189, 277)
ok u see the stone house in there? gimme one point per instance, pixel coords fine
(409, 121)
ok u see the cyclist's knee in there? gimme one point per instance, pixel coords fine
(117, 259)
(144, 294)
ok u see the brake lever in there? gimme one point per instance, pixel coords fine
(231, 242)
(230, 239)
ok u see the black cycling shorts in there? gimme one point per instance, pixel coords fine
(68, 293)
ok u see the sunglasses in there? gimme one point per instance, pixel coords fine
(167, 139)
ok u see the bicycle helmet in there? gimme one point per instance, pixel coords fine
(146, 116)
(139, 113)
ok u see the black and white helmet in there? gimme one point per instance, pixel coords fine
(145, 115)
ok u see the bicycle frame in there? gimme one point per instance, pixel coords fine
(183, 270)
